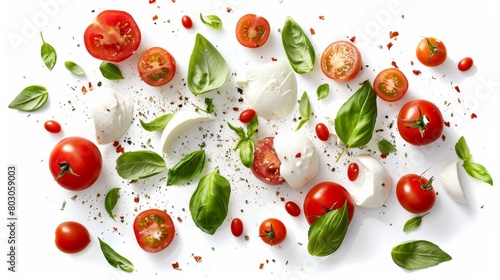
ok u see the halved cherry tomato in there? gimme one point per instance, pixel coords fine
(390, 84)
(187, 22)
(154, 230)
(341, 61)
(237, 227)
(71, 237)
(326, 196)
(247, 115)
(266, 164)
(292, 208)
(52, 126)
(252, 31)
(322, 132)
(156, 66)
(112, 36)
(431, 52)
(272, 231)
(465, 64)
(353, 171)
(415, 193)
(420, 122)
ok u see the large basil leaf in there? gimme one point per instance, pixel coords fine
(115, 259)
(207, 68)
(327, 233)
(474, 169)
(187, 168)
(139, 164)
(210, 202)
(418, 254)
(355, 120)
(30, 99)
(298, 48)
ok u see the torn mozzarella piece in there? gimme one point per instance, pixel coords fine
(373, 185)
(180, 123)
(451, 182)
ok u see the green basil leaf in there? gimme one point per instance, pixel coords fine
(327, 232)
(110, 201)
(298, 48)
(212, 20)
(240, 131)
(139, 164)
(30, 99)
(110, 71)
(323, 91)
(74, 68)
(210, 105)
(48, 53)
(462, 149)
(187, 168)
(418, 254)
(478, 171)
(413, 223)
(355, 120)
(115, 259)
(207, 68)
(157, 124)
(210, 202)
(304, 110)
(386, 147)
(246, 148)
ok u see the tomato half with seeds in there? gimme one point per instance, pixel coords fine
(154, 230)
(156, 66)
(113, 36)
(266, 164)
(341, 61)
(272, 231)
(431, 52)
(71, 237)
(252, 31)
(390, 84)
(324, 197)
(420, 122)
(415, 193)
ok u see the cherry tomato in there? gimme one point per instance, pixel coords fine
(341, 61)
(390, 84)
(272, 231)
(353, 171)
(187, 22)
(237, 227)
(292, 208)
(156, 66)
(266, 164)
(326, 196)
(431, 52)
(420, 122)
(252, 31)
(113, 36)
(322, 132)
(71, 237)
(154, 230)
(415, 193)
(75, 163)
(465, 64)
(52, 126)
(247, 115)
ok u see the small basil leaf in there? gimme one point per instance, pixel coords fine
(74, 68)
(240, 131)
(298, 48)
(327, 232)
(210, 202)
(355, 120)
(386, 147)
(418, 254)
(115, 259)
(462, 150)
(252, 127)
(110, 201)
(478, 171)
(304, 110)
(139, 165)
(48, 53)
(207, 68)
(212, 20)
(30, 99)
(323, 91)
(187, 168)
(157, 124)
(246, 147)
(110, 71)
(413, 223)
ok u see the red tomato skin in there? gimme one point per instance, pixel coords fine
(84, 159)
(187, 22)
(266, 164)
(237, 227)
(71, 237)
(252, 31)
(52, 126)
(353, 171)
(322, 132)
(434, 122)
(292, 208)
(149, 222)
(156, 66)
(465, 64)
(412, 196)
(326, 194)
(390, 84)
(350, 56)
(247, 115)
(424, 52)
(276, 227)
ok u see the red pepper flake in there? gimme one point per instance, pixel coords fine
(443, 137)
(459, 101)
(447, 124)
(175, 265)
(411, 63)
(473, 116)
(282, 199)
(152, 1)
(120, 149)
(389, 46)
(312, 31)
(115, 228)
(179, 219)
(261, 266)
(274, 59)
(352, 39)
(236, 109)
(84, 90)
(384, 155)
(229, 9)
(91, 88)
(393, 63)
(417, 72)
(393, 34)
(322, 17)
(136, 199)
(197, 258)
(457, 88)
(298, 155)
(155, 17)
(173, 1)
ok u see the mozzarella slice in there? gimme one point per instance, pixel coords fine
(270, 89)
(375, 183)
(451, 182)
(112, 112)
(180, 123)
(298, 156)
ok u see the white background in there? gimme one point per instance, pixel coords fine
(466, 232)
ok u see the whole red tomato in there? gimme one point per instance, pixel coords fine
(420, 122)
(415, 193)
(71, 237)
(431, 52)
(75, 163)
(272, 231)
(326, 196)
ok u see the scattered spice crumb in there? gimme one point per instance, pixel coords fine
(322, 17)
(312, 31)
(261, 266)
(417, 72)
(155, 17)
(175, 265)
(473, 116)
(197, 258)
(457, 88)
(353, 38)
(393, 34)
(393, 63)
(389, 45)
